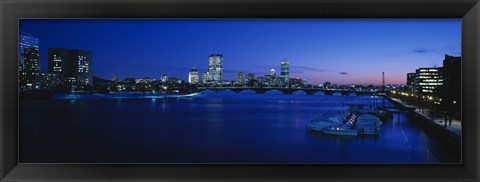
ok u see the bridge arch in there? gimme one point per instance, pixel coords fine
(337, 93)
(319, 93)
(227, 91)
(299, 92)
(208, 91)
(247, 91)
(273, 92)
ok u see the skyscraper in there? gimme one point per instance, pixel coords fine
(193, 76)
(164, 78)
(240, 78)
(206, 77)
(284, 72)
(114, 77)
(26, 41)
(31, 60)
(452, 87)
(215, 67)
(31, 66)
(250, 76)
(75, 65)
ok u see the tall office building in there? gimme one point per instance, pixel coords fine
(164, 78)
(114, 77)
(26, 41)
(75, 65)
(193, 77)
(215, 67)
(31, 66)
(206, 77)
(250, 76)
(284, 72)
(452, 87)
(429, 81)
(240, 78)
(411, 82)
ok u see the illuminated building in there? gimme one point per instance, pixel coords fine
(215, 67)
(429, 81)
(284, 72)
(273, 73)
(30, 67)
(114, 78)
(250, 76)
(46, 81)
(193, 77)
(26, 41)
(206, 77)
(240, 78)
(452, 88)
(411, 82)
(75, 65)
(164, 78)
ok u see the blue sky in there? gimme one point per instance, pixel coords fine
(341, 51)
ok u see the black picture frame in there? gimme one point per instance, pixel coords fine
(11, 11)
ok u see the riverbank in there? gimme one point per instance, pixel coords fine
(454, 130)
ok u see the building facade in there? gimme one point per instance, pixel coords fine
(452, 88)
(240, 78)
(429, 81)
(26, 41)
(193, 77)
(75, 65)
(206, 77)
(284, 72)
(30, 67)
(215, 67)
(48, 81)
(411, 82)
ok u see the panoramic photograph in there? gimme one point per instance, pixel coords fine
(240, 91)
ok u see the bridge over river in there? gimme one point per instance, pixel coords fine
(308, 91)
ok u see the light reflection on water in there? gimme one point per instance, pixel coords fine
(214, 128)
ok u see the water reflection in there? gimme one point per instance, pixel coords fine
(221, 127)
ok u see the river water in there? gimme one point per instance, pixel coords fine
(220, 127)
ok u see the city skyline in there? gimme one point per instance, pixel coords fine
(428, 51)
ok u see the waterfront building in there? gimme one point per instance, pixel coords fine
(296, 82)
(206, 77)
(411, 82)
(48, 81)
(114, 77)
(75, 65)
(193, 77)
(429, 81)
(30, 67)
(284, 72)
(164, 78)
(172, 80)
(273, 73)
(215, 67)
(26, 41)
(240, 78)
(250, 76)
(452, 87)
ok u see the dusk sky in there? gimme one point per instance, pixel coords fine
(341, 51)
